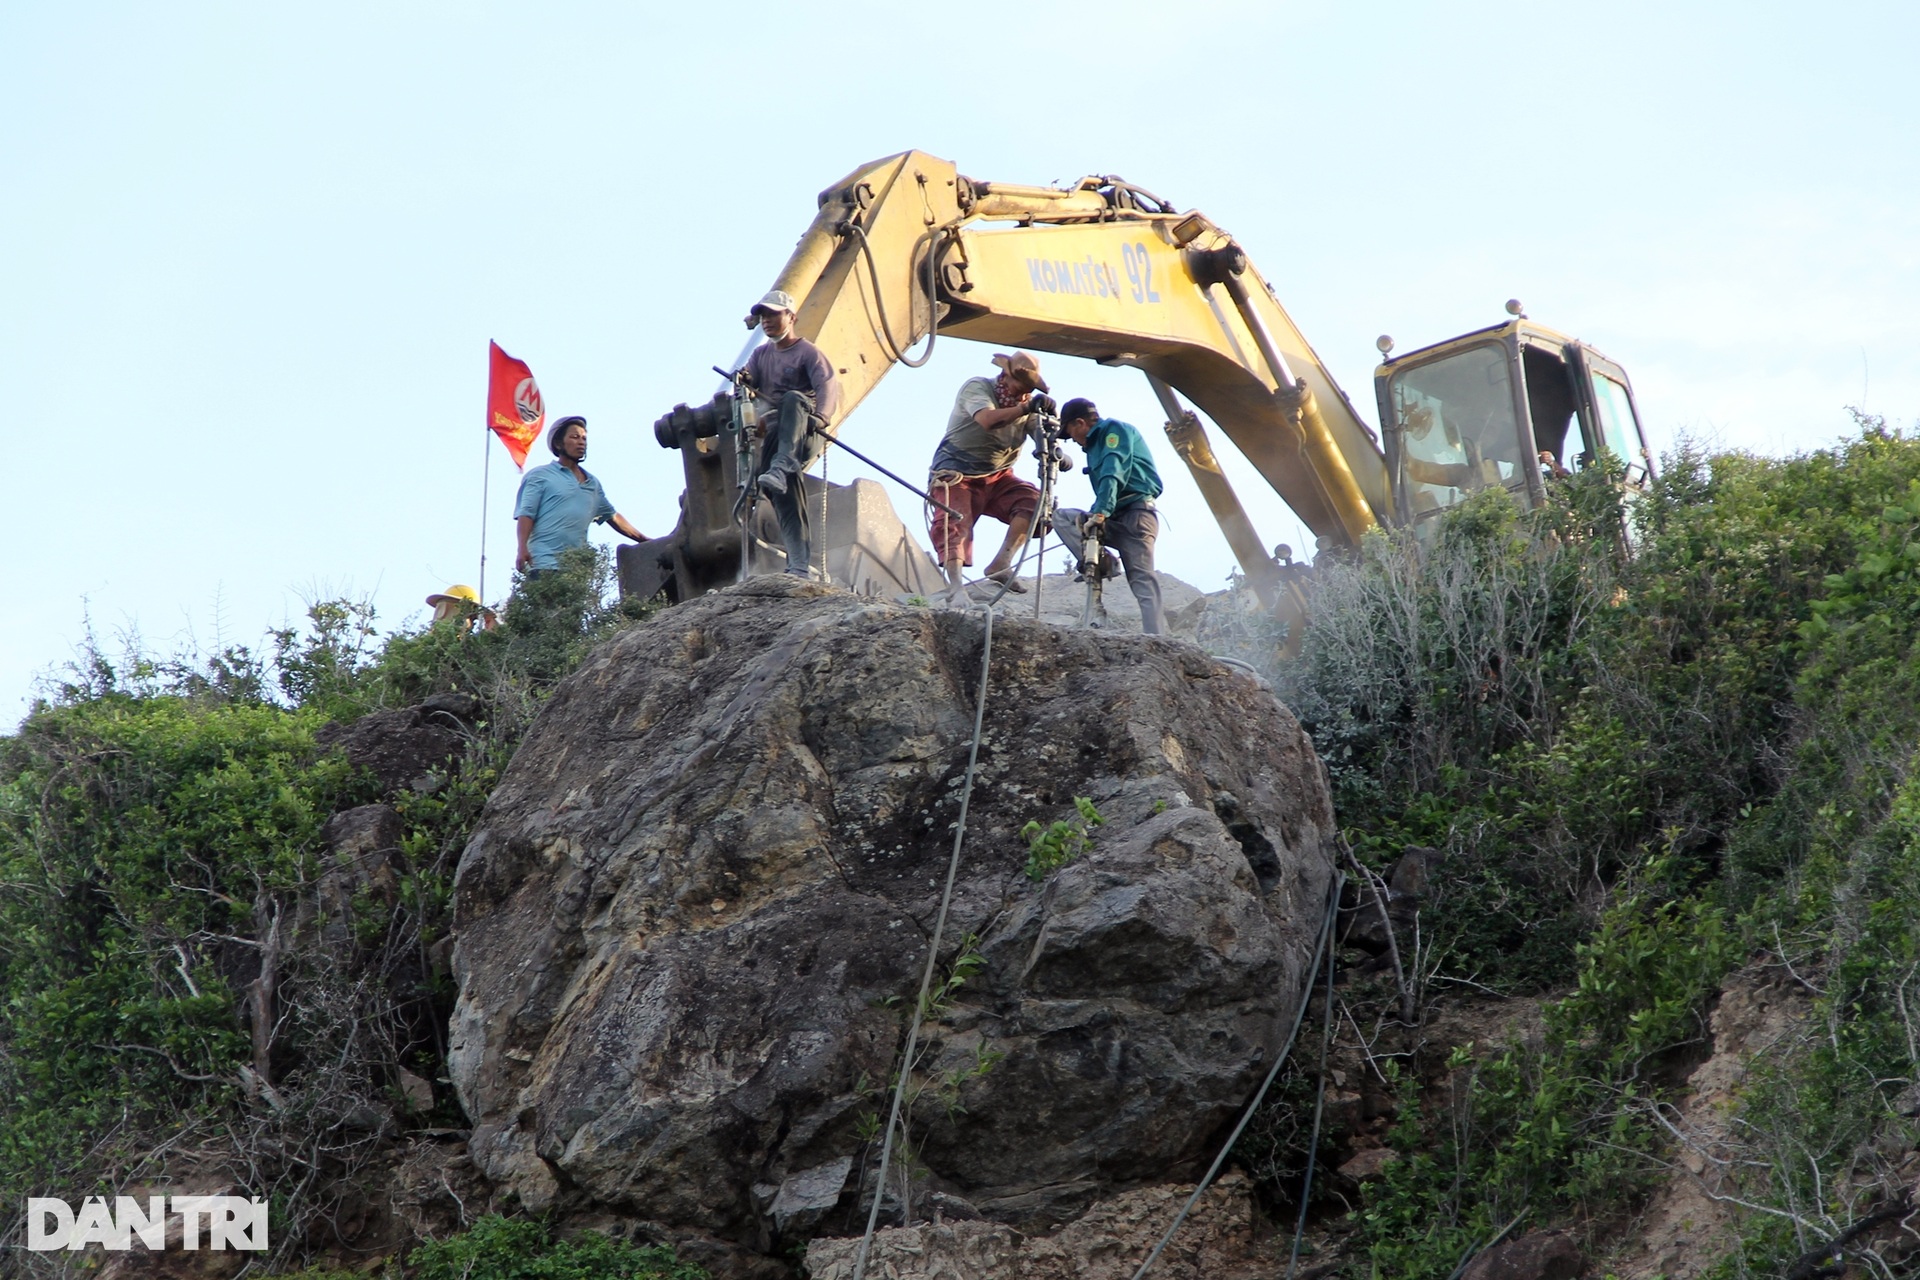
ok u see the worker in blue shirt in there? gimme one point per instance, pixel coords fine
(1125, 484)
(560, 501)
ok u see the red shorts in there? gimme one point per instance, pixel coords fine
(1002, 495)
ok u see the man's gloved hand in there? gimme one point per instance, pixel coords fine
(1094, 525)
(1043, 403)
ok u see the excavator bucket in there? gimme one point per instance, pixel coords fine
(864, 543)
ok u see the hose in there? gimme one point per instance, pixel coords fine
(894, 349)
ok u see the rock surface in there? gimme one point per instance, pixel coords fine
(410, 748)
(1689, 1225)
(1222, 1239)
(1538, 1255)
(365, 846)
(1062, 601)
(691, 923)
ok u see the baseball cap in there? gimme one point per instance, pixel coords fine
(1079, 407)
(776, 300)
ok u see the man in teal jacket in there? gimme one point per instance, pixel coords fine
(1125, 484)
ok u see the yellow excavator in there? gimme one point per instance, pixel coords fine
(906, 249)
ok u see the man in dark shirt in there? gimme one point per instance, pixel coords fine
(794, 389)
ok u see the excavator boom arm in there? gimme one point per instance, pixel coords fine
(907, 245)
(1077, 272)
(1199, 319)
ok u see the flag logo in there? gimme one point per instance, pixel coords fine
(526, 399)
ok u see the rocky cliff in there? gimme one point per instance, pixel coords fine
(691, 924)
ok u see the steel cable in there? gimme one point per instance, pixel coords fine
(1319, 951)
(1319, 1109)
(933, 955)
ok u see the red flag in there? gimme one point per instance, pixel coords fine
(515, 410)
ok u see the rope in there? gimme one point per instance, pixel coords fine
(822, 538)
(1320, 948)
(933, 954)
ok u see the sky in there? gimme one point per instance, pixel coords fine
(251, 255)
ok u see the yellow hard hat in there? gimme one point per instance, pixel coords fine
(458, 591)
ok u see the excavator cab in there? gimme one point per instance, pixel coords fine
(1510, 406)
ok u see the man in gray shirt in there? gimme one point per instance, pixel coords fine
(972, 469)
(794, 388)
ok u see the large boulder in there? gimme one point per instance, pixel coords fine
(692, 922)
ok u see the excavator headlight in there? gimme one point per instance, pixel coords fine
(1189, 229)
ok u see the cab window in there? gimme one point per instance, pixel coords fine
(1458, 428)
(1618, 434)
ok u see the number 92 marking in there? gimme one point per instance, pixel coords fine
(1139, 272)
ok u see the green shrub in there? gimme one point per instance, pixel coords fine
(1560, 1129)
(1054, 845)
(170, 976)
(496, 1248)
(1713, 734)
(135, 834)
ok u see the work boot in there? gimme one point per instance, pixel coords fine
(773, 483)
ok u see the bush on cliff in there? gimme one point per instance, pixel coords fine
(178, 991)
(496, 1248)
(1642, 768)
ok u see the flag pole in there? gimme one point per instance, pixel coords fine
(486, 472)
